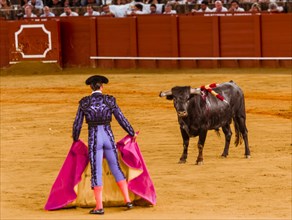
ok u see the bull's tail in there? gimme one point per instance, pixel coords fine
(238, 135)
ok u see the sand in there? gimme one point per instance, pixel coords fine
(38, 108)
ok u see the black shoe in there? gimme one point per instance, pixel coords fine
(129, 205)
(97, 211)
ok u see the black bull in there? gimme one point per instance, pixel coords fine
(199, 111)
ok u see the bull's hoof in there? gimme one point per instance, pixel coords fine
(224, 156)
(247, 156)
(182, 161)
(199, 162)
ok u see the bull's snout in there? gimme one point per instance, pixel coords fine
(182, 114)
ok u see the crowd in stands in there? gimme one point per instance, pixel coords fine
(122, 8)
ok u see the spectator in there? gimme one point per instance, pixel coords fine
(5, 4)
(273, 7)
(153, 9)
(235, 7)
(106, 11)
(38, 4)
(90, 11)
(47, 12)
(136, 10)
(203, 7)
(55, 4)
(219, 7)
(68, 12)
(168, 9)
(255, 7)
(28, 12)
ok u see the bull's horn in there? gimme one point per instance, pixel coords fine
(163, 94)
(195, 91)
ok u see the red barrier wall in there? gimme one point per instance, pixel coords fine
(198, 37)
(78, 40)
(276, 38)
(157, 37)
(240, 37)
(83, 38)
(34, 40)
(4, 46)
(116, 37)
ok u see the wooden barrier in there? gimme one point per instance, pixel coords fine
(4, 46)
(33, 40)
(209, 41)
(78, 40)
(157, 37)
(240, 37)
(198, 37)
(116, 37)
(276, 38)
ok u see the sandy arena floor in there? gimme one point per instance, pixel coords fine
(38, 109)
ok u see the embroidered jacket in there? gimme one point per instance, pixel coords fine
(98, 110)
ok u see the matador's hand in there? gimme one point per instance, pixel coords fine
(135, 137)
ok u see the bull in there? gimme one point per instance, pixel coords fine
(206, 108)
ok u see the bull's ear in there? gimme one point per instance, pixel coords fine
(169, 97)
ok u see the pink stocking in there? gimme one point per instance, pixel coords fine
(124, 189)
(98, 197)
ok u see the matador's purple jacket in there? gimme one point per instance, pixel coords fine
(98, 110)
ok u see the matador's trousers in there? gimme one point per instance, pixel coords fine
(101, 143)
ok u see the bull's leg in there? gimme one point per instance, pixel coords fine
(227, 132)
(243, 130)
(186, 140)
(201, 142)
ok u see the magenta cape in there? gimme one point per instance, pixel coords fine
(62, 192)
(142, 184)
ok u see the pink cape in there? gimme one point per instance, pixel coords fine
(141, 185)
(62, 192)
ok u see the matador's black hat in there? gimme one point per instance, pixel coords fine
(96, 79)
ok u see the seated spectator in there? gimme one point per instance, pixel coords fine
(68, 12)
(5, 4)
(106, 11)
(153, 9)
(137, 9)
(273, 7)
(55, 4)
(28, 12)
(219, 7)
(47, 12)
(235, 7)
(90, 11)
(38, 4)
(203, 7)
(168, 9)
(255, 7)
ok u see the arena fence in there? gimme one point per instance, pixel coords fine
(156, 41)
